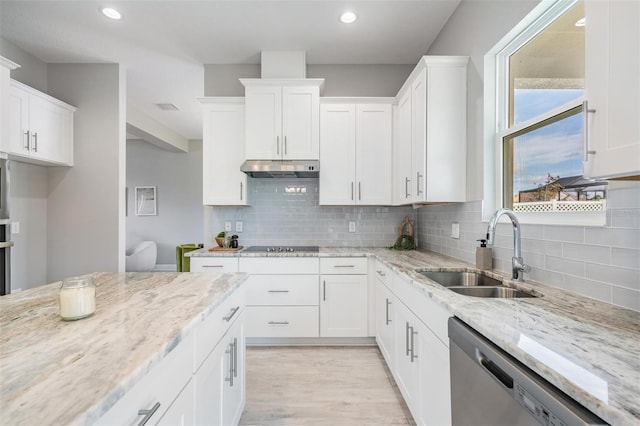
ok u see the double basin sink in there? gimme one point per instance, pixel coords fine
(474, 284)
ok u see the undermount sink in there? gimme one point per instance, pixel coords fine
(461, 278)
(474, 284)
(491, 292)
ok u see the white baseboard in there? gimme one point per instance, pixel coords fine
(311, 341)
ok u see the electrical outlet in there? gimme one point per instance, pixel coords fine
(227, 227)
(352, 227)
(455, 230)
(15, 227)
(239, 226)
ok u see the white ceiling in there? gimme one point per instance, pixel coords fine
(164, 44)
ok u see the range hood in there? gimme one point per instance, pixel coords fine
(281, 168)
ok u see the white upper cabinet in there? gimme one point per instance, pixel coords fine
(223, 152)
(430, 146)
(282, 119)
(40, 128)
(612, 88)
(355, 154)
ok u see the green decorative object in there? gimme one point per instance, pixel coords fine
(405, 239)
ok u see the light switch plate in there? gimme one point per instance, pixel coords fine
(227, 226)
(15, 227)
(239, 226)
(455, 230)
(352, 227)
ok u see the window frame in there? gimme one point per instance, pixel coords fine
(496, 117)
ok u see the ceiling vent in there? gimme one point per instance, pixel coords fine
(167, 107)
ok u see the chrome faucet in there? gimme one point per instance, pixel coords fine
(517, 263)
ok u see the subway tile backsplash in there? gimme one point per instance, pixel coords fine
(286, 212)
(598, 262)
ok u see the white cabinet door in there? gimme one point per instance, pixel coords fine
(223, 153)
(402, 166)
(373, 154)
(337, 154)
(300, 123)
(407, 367)
(343, 306)
(419, 136)
(233, 370)
(208, 383)
(40, 127)
(385, 304)
(356, 151)
(612, 87)
(435, 383)
(263, 122)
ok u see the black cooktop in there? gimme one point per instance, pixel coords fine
(282, 249)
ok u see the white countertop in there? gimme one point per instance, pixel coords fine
(59, 372)
(587, 348)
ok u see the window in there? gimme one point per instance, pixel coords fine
(537, 119)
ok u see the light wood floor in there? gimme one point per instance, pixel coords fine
(321, 386)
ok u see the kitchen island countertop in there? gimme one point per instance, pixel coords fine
(587, 348)
(59, 372)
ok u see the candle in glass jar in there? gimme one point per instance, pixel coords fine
(77, 298)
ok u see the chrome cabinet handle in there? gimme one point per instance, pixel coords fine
(35, 141)
(277, 291)
(285, 145)
(413, 348)
(352, 190)
(381, 273)
(406, 339)
(278, 145)
(418, 192)
(148, 413)
(406, 187)
(213, 266)
(27, 133)
(359, 190)
(230, 352)
(585, 131)
(235, 357)
(240, 191)
(278, 323)
(344, 266)
(387, 320)
(324, 290)
(231, 313)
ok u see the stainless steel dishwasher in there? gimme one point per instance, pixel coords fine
(490, 387)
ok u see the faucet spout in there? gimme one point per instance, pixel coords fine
(518, 266)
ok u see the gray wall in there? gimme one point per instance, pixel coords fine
(598, 262)
(84, 201)
(178, 178)
(293, 217)
(340, 80)
(32, 71)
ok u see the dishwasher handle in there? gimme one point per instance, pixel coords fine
(493, 368)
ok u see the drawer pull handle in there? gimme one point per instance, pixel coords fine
(382, 274)
(231, 313)
(278, 291)
(278, 323)
(344, 266)
(213, 266)
(148, 413)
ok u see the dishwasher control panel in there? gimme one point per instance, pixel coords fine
(535, 408)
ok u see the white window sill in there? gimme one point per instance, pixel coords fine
(563, 218)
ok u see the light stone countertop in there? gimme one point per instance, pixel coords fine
(59, 372)
(587, 348)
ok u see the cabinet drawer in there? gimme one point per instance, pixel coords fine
(343, 265)
(209, 333)
(282, 290)
(384, 274)
(160, 386)
(282, 321)
(279, 265)
(214, 264)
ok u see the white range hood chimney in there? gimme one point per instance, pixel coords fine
(276, 64)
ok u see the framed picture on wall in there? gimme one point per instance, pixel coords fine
(146, 201)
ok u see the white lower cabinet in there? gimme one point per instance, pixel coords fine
(385, 336)
(214, 264)
(344, 307)
(181, 412)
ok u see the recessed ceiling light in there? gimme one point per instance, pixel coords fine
(111, 13)
(580, 22)
(348, 17)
